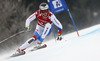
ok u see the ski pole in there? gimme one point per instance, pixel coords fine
(12, 36)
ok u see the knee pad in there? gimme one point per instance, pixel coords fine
(31, 40)
(35, 37)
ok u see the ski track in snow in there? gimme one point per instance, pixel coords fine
(71, 48)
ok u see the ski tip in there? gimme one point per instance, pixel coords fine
(15, 55)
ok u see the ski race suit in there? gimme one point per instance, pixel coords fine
(43, 27)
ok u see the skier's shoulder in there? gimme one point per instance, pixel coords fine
(37, 12)
(50, 13)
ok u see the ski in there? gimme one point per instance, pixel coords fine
(35, 48)
(15, 55)
(40, 47)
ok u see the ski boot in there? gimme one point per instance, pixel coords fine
(18, 53)
(21, 51)
(38, 44)
(59, 38)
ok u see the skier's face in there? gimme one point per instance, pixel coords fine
(44, 13)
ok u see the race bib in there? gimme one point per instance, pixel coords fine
(57, 3)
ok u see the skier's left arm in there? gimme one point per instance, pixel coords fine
(59, 25)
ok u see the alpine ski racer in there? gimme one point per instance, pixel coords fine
(43, 28)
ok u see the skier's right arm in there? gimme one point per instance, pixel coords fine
(29, 20)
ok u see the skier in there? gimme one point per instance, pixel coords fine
(45, 20)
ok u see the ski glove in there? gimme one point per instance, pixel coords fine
(59, 37)
(59, 34)
(26, 29)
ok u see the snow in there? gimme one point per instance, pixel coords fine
(71, 48)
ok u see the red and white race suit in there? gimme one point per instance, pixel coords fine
(43, 27)
(42, 21)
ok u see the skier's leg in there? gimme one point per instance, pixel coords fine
(35, 37)
(29, 41)
(46, 32)
(26, 44)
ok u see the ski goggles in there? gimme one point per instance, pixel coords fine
(44, 11)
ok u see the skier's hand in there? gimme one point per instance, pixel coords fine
(59, 37)
(26, 29)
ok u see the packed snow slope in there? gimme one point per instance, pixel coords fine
(71, 48)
